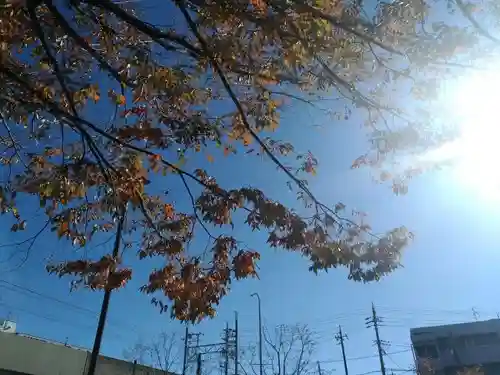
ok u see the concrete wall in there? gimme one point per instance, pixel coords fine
(112, 366)
(32, 356)
(36, 357)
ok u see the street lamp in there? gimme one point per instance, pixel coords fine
(260, 332)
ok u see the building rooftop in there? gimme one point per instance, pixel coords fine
(457, 329)
(53, 342)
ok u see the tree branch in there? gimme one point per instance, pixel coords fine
(156, 34)
(474, 22)
(83, 44)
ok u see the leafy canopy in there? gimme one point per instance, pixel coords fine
(219, 77)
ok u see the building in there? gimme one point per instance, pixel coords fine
(27, 355)
(448, 349)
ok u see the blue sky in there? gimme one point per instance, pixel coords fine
(450, 268)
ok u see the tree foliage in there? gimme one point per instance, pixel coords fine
(217, 79)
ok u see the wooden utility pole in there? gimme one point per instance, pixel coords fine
(186, 337)
(261, 369)
(236, 363)
(226, 350)
(198, 364)
(375, 320)
(340, 339)
(105, 302)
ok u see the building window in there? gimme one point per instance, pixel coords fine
(444, 343)
(426, 351)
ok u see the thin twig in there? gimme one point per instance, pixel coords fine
(193, 203)
(84, 45)
(14, 142)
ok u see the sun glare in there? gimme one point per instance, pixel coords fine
(474, 104)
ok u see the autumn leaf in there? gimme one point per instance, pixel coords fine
(120, 100)
(62, 229)
(168, 209)
(358, 162)
(266, 57)
(259, 4)
(247, 138)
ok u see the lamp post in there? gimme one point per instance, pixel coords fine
(260, 332)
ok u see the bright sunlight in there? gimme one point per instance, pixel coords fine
(473, 103)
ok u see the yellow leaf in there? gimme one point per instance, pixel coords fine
(210, 158)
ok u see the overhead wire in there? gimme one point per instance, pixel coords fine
(362, 357)
(28, 291)
(57, 320)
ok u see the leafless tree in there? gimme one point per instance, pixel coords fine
(288, 350)
(163, 352)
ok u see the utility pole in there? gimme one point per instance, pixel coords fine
(261, 370)
(184, 364)
(340, 339)
(375, 320)
(105, 302)
(226, 351)
(223, 349)
(475, 314)
(236, 364)
(198, 364)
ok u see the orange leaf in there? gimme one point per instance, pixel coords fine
(62, 229)
(247, 139)
(96, 97)
(259, 4)
(210, 158)
(120, 100)
(168, 209)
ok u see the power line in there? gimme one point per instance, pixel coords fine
(54, 319)
(26, 290)
(364, 357)
(66, 303)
